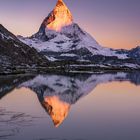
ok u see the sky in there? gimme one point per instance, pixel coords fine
(113, 23)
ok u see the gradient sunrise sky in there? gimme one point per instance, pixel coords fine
(113, 23)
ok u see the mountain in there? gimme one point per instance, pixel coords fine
(61, 40)
(17, 57)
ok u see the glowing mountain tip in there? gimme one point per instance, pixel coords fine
(57, 109)
(59, 17)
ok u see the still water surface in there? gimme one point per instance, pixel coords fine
(70, 107)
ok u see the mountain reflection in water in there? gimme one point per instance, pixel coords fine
(57, 93)
(57, 109)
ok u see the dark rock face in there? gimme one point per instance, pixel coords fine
(15, 55)
(72, 31)
(8, 83)
(135, 54)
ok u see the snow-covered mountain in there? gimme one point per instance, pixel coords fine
(60, 39)
(17, 57)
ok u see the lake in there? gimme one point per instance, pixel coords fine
(99, 106)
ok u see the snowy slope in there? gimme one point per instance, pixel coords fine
(70, 39)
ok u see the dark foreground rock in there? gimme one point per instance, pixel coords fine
(17, 57)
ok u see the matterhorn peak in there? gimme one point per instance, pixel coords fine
(59, 17)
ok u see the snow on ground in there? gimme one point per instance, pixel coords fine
(131, 65)
(68, 55)
(51, 59)
(67, 46)
(3, 36)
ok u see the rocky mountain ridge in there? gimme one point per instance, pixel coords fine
(17, 57)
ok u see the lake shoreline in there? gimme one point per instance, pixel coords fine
(62, 71)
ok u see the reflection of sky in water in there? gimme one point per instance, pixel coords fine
(111, 112)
